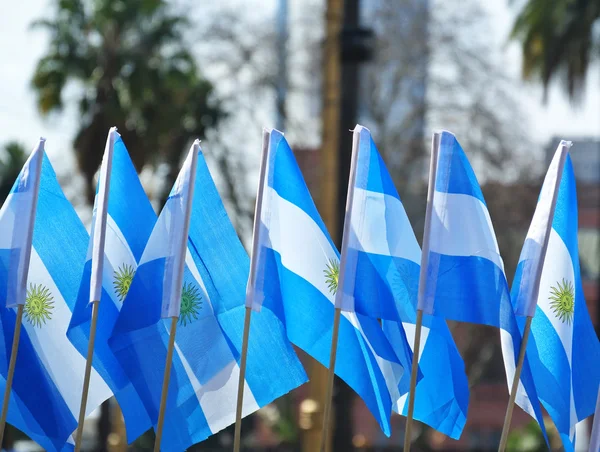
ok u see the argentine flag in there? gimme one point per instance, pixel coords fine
(129, 222)
(563, 348)
(465, 278)
(297, 277)
(48, 380)
(381, 281)
(204, 377)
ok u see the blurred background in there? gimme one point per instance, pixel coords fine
(510, 78)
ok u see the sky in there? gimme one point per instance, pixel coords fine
(21, 47)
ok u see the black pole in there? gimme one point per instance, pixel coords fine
(344, 396)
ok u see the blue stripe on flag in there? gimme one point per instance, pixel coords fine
(372, 174)
(128, 201)
(288, 182)
(455, 295)
(69, 231)
(454, 173)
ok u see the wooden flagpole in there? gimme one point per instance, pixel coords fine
(534, 296)
(98, 241)
(266, 138)
(240, 396)
(11, 370)
(86, 378)
(515, 386)
(330, 375)
(177, 239)
(339, 291)
(435, 144)
(413, 381)
(165, 386)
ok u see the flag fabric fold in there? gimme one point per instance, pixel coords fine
(563, 348)
(297, 277)
(465, 279)
(381, 281)
(129, 222)
(205, 372)
(46, 391)
(18, 219)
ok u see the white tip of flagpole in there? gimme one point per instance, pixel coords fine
(567, 144)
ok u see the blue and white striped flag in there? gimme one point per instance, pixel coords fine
(129, 219)
(465, 278)
(46, 391)
(297, 277)
(381, 281)
(204, 377)
(563, 348)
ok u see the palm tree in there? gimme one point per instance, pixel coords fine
(133, 69)
(558, 38)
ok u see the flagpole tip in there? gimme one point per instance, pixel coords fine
(567, 144)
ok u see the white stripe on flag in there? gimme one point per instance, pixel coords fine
(453, 236)
(64, 363)
(411, 329)
(217, 397)
(191, 265)
(509, 366)
(372, 213)
(307, 260)
(310, 261)
(558, 269)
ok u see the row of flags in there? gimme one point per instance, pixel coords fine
(143, 272)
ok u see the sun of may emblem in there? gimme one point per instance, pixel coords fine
(38, 304)
(332, 273)
(562, 301)
(123, 278)
(191, 303)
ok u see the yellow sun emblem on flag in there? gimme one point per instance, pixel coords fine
(38, 305)
(332, 274)
(123, 277)
(191, 303)
(562, 301)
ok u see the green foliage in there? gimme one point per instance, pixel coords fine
(530, 439)
(557, 38)
(12, 159)
(133, 69)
